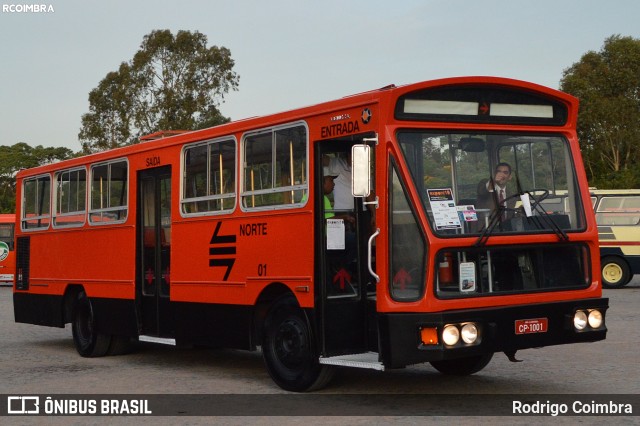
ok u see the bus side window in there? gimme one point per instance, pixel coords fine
(275, 168)
(108, 199)
(209, 177)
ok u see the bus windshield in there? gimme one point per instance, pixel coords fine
(486, 184)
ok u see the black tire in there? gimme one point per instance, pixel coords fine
(462, 366)
(88, 341)
(288, 349)
(615, 272)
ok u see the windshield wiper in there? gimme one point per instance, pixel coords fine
(543, 221)
(562, 236)
(487, 231)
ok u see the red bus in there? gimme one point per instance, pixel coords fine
(235, 237)
(7, 255)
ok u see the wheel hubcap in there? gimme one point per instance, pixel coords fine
(612, 273)
(291, 344)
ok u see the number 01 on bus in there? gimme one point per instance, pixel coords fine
(438, 222)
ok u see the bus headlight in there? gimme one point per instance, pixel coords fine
(450, 335)
(595, 318)
(580, 320)
(469, 333)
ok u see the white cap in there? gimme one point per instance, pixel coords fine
(325, 172)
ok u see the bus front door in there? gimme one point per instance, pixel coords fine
(345, 284)
(153, 252)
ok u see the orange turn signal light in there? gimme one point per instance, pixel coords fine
(429, 336)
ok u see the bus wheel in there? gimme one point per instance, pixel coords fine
(88, 342)
(615, 272)
(288, 349)
(462, 366)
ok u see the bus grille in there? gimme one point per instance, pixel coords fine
(23, 250)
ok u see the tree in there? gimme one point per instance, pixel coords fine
(172, 83)
(22, 156)
(608, 86)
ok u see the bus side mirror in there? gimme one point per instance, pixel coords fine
(360, 170)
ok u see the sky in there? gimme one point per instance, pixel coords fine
(288, 53)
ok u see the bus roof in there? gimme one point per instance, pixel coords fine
(254, 123)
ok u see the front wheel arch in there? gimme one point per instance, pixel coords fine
(265, 301)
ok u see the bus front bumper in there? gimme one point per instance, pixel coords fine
(500, 329)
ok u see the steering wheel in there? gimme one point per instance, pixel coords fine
(533, 199)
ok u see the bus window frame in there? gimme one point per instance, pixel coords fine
(82, 213)
(124, 207)
(578, 218)
(10, 240)
(183, 171)
(619, 212)
(23, 219)
(243, 193)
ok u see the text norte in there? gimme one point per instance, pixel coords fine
(340, 129)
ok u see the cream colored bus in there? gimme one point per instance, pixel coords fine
(618, 218)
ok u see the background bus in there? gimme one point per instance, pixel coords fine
(618, 218)
(234, 236)
(7, 255)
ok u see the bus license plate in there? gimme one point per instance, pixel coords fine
(535, 325)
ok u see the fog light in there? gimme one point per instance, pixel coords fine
(580, 320)
(595, 318)
(450, 335)
(469, 333)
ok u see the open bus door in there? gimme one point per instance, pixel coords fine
(346, 288)
(154, 251)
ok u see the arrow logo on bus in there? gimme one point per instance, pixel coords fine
(341, 278)
(219, 246)
(402, 278)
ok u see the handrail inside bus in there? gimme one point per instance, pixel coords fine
(370, 257)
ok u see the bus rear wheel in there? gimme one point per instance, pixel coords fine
(86, 338)
(462, 366)
(288, 349)
(615, 272)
